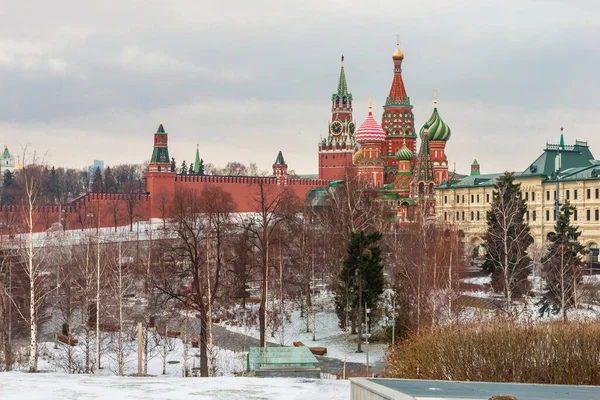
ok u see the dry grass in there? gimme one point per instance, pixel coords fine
(503, 352)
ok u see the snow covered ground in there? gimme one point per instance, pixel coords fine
(53, 358)
(48, 386)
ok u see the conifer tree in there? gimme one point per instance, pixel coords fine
(562, 265)
(173, 165)
(97, 183)
(9, 188)
(110, 183)
(9, 179)
(183, 170)
(507, 239)
(53, 186)
(361, 278)
(201, 169)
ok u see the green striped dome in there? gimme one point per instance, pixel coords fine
(438, 130)
(404, 153)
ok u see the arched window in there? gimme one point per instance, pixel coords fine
(421, 189)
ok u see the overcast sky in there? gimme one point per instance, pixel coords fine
(86, 80)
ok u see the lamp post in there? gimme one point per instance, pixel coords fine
(359, 277)
(367, 312)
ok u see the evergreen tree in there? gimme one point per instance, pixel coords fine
(110, 183)
(9, 179)
(562, 265)
(183, 170)
(173, 165)
(53, 186)
(201, 169)
(9, 188)
(361, 278)
(97, 184)
(507, 239)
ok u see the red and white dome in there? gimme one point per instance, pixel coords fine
(370, 131)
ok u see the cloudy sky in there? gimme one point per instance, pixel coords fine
(83, 80)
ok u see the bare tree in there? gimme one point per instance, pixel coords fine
(33, 250)
(272, 206)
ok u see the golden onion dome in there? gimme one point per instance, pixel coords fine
(398, 55)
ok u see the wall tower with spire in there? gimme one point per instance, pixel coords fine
(398, 119)
(280, 169)
(337, 149)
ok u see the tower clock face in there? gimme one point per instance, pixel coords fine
(336, 128)
(351, 128)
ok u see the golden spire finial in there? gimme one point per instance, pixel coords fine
(398, 55)
(435, 98)
(454, 170)
(162, 121)
(370, 103)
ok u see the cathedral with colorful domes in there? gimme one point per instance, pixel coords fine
(384, 156)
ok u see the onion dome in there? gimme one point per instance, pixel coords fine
(398, 55)
(357, 156)
(404, 153)
(370, 131)
(438, 130)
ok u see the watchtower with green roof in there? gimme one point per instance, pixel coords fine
(280, 169)
(160, 160)
(474, 168)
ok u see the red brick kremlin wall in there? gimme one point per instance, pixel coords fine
(106, 210)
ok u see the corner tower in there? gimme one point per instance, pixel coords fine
(398, 120)
(336, 151)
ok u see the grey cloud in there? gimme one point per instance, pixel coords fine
(246, 79)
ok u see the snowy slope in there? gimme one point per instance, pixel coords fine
(49, 386)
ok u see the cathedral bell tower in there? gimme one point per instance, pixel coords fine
(336, 151)
(398, 120)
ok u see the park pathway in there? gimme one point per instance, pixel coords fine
(239, 342)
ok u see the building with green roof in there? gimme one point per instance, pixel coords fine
(7, 163)
(560, 173)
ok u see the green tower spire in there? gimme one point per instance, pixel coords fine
(562, 140)
(280, 160)
(342, 89)
(197, 161)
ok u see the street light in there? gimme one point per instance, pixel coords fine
(367, 312)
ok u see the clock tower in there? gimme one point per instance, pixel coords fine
(336, 151)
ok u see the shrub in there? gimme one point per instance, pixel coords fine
(558, 353)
